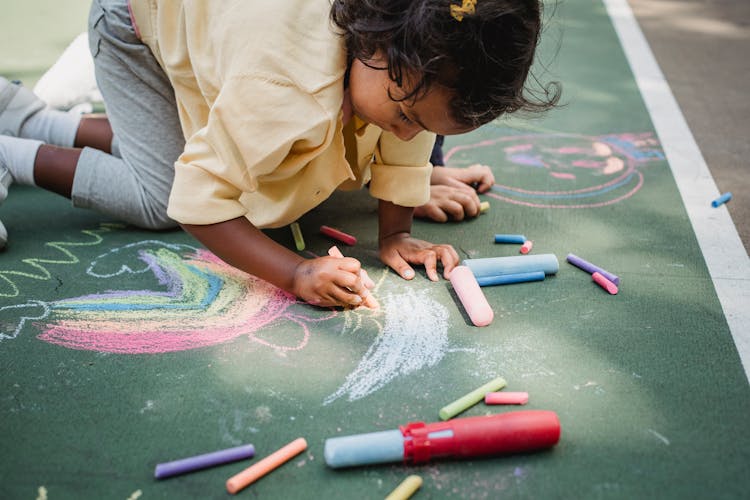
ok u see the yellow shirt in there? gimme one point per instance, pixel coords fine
(259, 87)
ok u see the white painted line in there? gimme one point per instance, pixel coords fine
(726, 258)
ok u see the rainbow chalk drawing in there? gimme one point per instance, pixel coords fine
(568, 171)
(194, 300)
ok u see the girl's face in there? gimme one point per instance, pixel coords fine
(369, 91)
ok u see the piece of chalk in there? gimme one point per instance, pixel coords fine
(475, 396)
(190, 464)
(484, 206)
(347, 239)
(406, 489)
(510, 238)
(721, 199)
(506, 398)
(299, 241)
(368, 300)
(260, 469)
(603, 282)
(515, 264)
(591, 268)
(471, 296)
(526, 247)
(509, 279)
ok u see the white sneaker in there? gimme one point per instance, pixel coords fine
(5, 180)
(17, 104)
(71, 80)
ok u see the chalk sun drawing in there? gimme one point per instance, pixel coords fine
(201, 301)
(569, 171)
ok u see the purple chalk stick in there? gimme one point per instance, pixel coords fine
(197, 462)
(591, 268)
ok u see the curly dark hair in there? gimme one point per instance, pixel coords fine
(485, 58)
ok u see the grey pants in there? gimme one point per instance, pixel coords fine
(140, 105)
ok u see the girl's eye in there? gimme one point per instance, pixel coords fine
(403, 117)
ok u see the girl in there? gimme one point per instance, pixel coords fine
(228, 117)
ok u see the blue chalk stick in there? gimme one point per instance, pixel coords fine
(496, 266)
(364, 449)
(508, 279)
(510, 238)
(721, 199)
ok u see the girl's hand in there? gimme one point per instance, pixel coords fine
(400, 249)
(330, 281)
(452, 192)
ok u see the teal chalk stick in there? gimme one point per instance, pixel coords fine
(518, 264)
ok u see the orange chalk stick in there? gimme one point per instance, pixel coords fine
(605, 283)
(471, 296)
(260, 469)
(526, 247)
(506, 398)
(368, 300)
(338, 235)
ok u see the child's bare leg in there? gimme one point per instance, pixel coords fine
(94, 131)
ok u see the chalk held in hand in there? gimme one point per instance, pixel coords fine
(475, 396)
(603, 282)
(260, 469)
(721, 199)
(338, 235)
(368, 300)
(471, 296)
(406, 489)
(190, 464)
(506, 398)
(526, 247)
(484, 206)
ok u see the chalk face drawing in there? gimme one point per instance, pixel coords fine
(199, 301)
(564, 170)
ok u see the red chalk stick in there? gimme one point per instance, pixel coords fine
(338, 235)
(471, 296)
(526, 247)
(506, 398)
(605, 283)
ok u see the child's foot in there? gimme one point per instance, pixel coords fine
(17, 104)
(5, 180)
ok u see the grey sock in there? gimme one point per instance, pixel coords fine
(52, 127)
(18, 156)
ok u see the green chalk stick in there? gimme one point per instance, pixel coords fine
(297, 233)
(475, 396)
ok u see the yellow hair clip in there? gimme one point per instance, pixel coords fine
(466, 8)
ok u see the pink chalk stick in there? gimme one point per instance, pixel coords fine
(506, 398)
(338, 235)
(471, 296)
(526, 247)
(605, 283)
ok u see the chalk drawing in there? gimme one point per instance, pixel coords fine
(568, 171)
(415, 336)
(199, 301)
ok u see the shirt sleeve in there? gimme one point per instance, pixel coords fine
(258, 130)
(401, 172)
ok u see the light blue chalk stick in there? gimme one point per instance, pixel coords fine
(721, 199)
(364, 449)
(496, 266)
(508, 279)
(510, 238)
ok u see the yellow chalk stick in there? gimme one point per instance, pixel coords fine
(260, 469)
(484, 206)
(299, 241)
(406, 489)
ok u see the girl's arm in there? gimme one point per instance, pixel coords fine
(398, 248)
(324, 281)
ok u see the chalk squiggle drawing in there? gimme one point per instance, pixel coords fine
(602, 170)
(200, 301)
